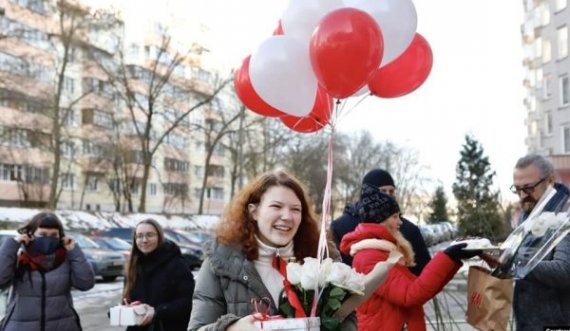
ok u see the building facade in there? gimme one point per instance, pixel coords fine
(108, 105)
(547, 80)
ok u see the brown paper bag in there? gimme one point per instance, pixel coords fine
(489, 300)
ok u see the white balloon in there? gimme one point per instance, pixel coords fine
(397, 20)
(281, 74)
(302, 16)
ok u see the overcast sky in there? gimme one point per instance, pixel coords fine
(475, 86)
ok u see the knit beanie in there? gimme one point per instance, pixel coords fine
(375, 206)
(378, 177)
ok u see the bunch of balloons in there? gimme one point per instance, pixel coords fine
(326, 49)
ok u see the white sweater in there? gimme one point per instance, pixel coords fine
(270, 276)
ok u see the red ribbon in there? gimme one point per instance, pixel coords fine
(281, 266)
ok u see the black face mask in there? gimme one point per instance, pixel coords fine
(43, 245)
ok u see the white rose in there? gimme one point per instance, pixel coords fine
(355, 283)
(309, 275)
(538, 227)
(338, 274)
(294, 272)
(324, 271)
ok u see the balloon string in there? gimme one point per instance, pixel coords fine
(339, 106)
(322, 251)
(355, 105)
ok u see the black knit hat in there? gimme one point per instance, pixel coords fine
(375, 206)
(378, 177)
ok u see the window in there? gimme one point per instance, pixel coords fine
(562, 35)
(548, 123)
(69, 85)
(68, 181)
(547, 87)
(566, 138)
(560, 5)
(198, 171)
(544, 10)
(70, 118)
(176, 189)
(564, 91)
(546, 51)
(92, 184)
(215, 193)
(538, 47)
(67, 149)
(216, 171)
(152, 189)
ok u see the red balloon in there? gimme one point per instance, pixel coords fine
(345, 48)
(278, 30)
(406, 73)
(247, 94)
(317, 118)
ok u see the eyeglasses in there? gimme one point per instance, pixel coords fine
(528, 189)
(148, 236)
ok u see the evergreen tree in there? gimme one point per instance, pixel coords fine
(438, 206)
(477, 206)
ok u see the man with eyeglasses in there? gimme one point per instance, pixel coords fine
(542, 298)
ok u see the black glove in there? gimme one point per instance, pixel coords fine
(457, 252)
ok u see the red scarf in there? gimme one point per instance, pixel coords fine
(43, 263)
(281, 266)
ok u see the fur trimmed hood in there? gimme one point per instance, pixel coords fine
(377, 236)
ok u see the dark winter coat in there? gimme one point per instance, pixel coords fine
(42, 301)
(542, 298)
(399, 300)
(165, 282)
(226, 283)
(348, 221)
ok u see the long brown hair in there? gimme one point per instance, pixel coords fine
(136, 253)
(238, 227)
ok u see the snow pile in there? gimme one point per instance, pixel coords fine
(73, 219)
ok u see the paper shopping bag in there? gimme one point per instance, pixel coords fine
(489, 300)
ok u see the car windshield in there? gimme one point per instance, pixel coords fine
(117, 243)
(84, 242)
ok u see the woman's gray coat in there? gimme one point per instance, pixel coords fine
(225, 285)
(44, 296)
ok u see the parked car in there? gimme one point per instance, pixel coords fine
(105, 263)
(114, 244)
(122, 233)
(427, 234)
(192, 252)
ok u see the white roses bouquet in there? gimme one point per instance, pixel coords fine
(535, 238)
(336, 280)
(339, 288)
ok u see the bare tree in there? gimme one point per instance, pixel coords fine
(44, 78)
(158, 100)
(217, 125)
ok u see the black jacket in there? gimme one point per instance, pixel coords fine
(165, 282)
(349, 220)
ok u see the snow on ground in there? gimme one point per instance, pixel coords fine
(74, 219)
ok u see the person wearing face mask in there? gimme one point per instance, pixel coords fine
(159, 279)
(398, 303)
(269, 220)
(42, 265)
(542, 298)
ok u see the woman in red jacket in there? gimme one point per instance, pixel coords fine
(398, 301)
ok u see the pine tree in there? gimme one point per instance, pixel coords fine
(438, 206)
(477, 206)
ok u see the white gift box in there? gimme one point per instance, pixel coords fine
(127, 315)
(291, 324)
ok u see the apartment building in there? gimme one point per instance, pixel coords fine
(109, 89)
